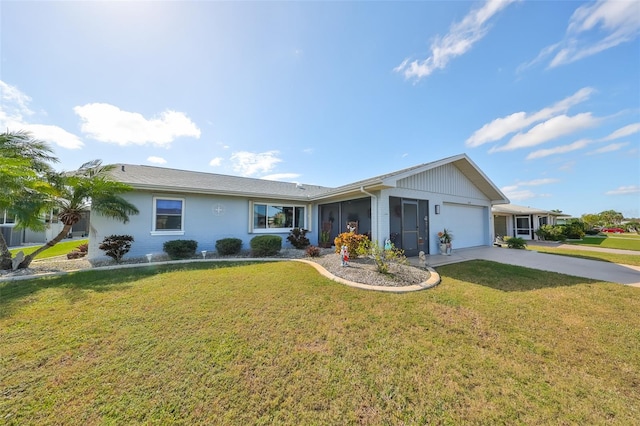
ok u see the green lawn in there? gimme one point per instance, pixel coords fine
(625, 259)
(624, 242)
(276, 343)
(615, 241)
(60, 249)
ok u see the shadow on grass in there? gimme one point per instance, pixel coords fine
(95, 280)
(505, 277)
(588, 241)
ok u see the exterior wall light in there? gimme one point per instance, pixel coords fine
(437, 208)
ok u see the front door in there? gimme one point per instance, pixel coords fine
(523, 227)
(410, 229)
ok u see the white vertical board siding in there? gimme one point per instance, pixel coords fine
(446, 179)
(468, 224)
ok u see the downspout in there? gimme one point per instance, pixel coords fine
(377, 235)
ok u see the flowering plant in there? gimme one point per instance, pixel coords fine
(445, 236)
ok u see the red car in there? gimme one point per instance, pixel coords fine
(613, 230)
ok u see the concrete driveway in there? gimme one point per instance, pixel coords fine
(594, 269)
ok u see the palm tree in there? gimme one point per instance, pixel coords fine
(89, 188)
(24, 172)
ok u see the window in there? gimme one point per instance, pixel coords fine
(523, 225)
(7, 218)
(266, 216)
(168, 215)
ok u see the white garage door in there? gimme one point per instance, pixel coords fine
(468, 224)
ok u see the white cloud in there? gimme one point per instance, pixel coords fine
(501, 127)
(515, 192)
(559, 149)
(281, 176)
(593, 28)
(215, 162)
(609, 148)
(624, 190)
(623, 132)
(582, 143)
(461, 37)
(251, 163)
(156, 160)
(553, 128)
(522, 194)
(108, 123)
(537, 182)
(16, 115)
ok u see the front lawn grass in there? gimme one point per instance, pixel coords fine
(60, 249)
(615, 241)
(276, 343)
(625, 259)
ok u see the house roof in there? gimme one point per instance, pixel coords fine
(173, 180)
(389, 180)
(515, 209)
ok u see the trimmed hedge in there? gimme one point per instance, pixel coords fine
(266, 245)
(229, 246)
(180, 249)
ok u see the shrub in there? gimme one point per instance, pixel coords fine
(574, 230)
(381, 256)
(551, 233)
(312, 251)
(78, 252)
(116, 246)
(228, 246)
(180, 249)
(266, 245)
(297, 238)
(352, 241)
(516, 242)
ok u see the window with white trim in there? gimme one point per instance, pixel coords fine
(168, 215)
(283, 217)
(7, 218)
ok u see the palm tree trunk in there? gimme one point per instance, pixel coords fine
(29, 258)
(5, 254)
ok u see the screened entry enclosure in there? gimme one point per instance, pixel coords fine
(409, 225)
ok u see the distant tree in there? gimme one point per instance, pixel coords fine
(592, 220)
(89, 188)
(24, 178)
(611, 217)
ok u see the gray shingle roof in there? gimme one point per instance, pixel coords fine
(164, 179)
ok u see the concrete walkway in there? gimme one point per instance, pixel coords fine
(594, 269)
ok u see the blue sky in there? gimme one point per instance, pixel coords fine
(544, 96)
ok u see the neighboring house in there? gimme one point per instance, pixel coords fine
(510, 220)
(409, 207)
(17, 237)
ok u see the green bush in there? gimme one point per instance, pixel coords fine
(574, 230)
(116, 246)
(383, 257)
(551, 233)
(180, 249)
(516, 243)
(266, 245)
(297, 238)
(228, 246)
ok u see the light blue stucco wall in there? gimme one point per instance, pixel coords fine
(207, 218)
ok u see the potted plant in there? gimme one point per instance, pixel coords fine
(445, 237)
(325, 239)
